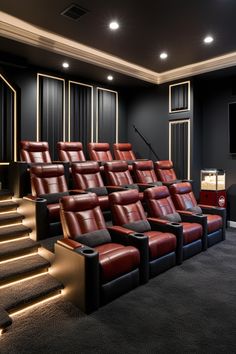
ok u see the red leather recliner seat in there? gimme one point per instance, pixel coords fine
(83, 221)
(144, 173)
(34, 152)
(86, 176)
(128, 212)
(70, 151)
(185, 202)
(165, 172)
(160, 205)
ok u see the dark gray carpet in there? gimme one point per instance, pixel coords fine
(189, 309)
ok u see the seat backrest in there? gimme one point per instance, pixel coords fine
(46, 179)
(34, 152)
(164, 171)
(81, 214)
(99, 152)
(123, 151)
(144, 171)
(159, 202)
(86, 175)
(126, 207)
(70, 151)
(117, 173)
(182, 195)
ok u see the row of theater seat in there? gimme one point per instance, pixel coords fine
(38, 152)
(137, 247)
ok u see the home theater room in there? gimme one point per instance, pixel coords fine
(117, 176)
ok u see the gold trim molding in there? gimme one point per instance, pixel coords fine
(24, 32)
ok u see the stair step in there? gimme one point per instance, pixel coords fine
(5, 194)
(5, 320)
(17, 296)
(20, 268)
(17, 248)
(8, 205)
(10, 232)
(10, 218)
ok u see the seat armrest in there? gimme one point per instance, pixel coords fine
(188, 216)
(77, 191)
(68, 243)
(172, 227)
(143, 186)
(127, 237)
(111, 189)
(210, 209)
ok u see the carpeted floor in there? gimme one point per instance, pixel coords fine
(189, 309)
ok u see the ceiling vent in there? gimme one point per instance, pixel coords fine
(74, 12)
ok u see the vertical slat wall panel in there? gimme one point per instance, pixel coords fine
(6, 123)
(179, 97)
(80, 112)
(107, 116)
(51, 111)
(179, 148)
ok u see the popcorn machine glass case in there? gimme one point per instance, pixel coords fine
(212, 180)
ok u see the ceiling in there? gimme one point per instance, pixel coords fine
(146, 29)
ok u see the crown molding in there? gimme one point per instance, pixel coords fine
(217, 63)
(21, 31)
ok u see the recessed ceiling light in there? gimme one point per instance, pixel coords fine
(208, 39)
(114, 25)
(110, 77)
(65, 65)
(163, 55)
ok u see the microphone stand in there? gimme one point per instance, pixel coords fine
(146, 142)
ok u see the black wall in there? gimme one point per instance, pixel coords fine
(216, 94)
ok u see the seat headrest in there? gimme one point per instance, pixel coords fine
(164, 164)
(34, 145)
(156, 192)
(123, 146)
(143, 165)
(47, 170)
(180, 188)
(79, 202)
(70, 146)
(99, 146)
(116, 166)
(85, 167)
(124, 197)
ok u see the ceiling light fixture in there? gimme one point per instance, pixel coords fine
(65, 65)
(110, 77)
(163, 55)
(208, 39)
(114, 25)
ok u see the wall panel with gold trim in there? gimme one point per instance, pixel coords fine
(80, 112)
(8, 123)
(107, 116)
(50, 111)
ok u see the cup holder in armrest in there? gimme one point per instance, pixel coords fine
(40, 199)
(87, 251)
(138, 234)
(175, 223)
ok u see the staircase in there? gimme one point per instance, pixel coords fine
(24, 277)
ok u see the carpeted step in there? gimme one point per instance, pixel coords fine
(10, 218)
(20, 268)
(8, 206)
(17, 248)
(10, 232)
(19, 295)
(5, 194)
(5, 320)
